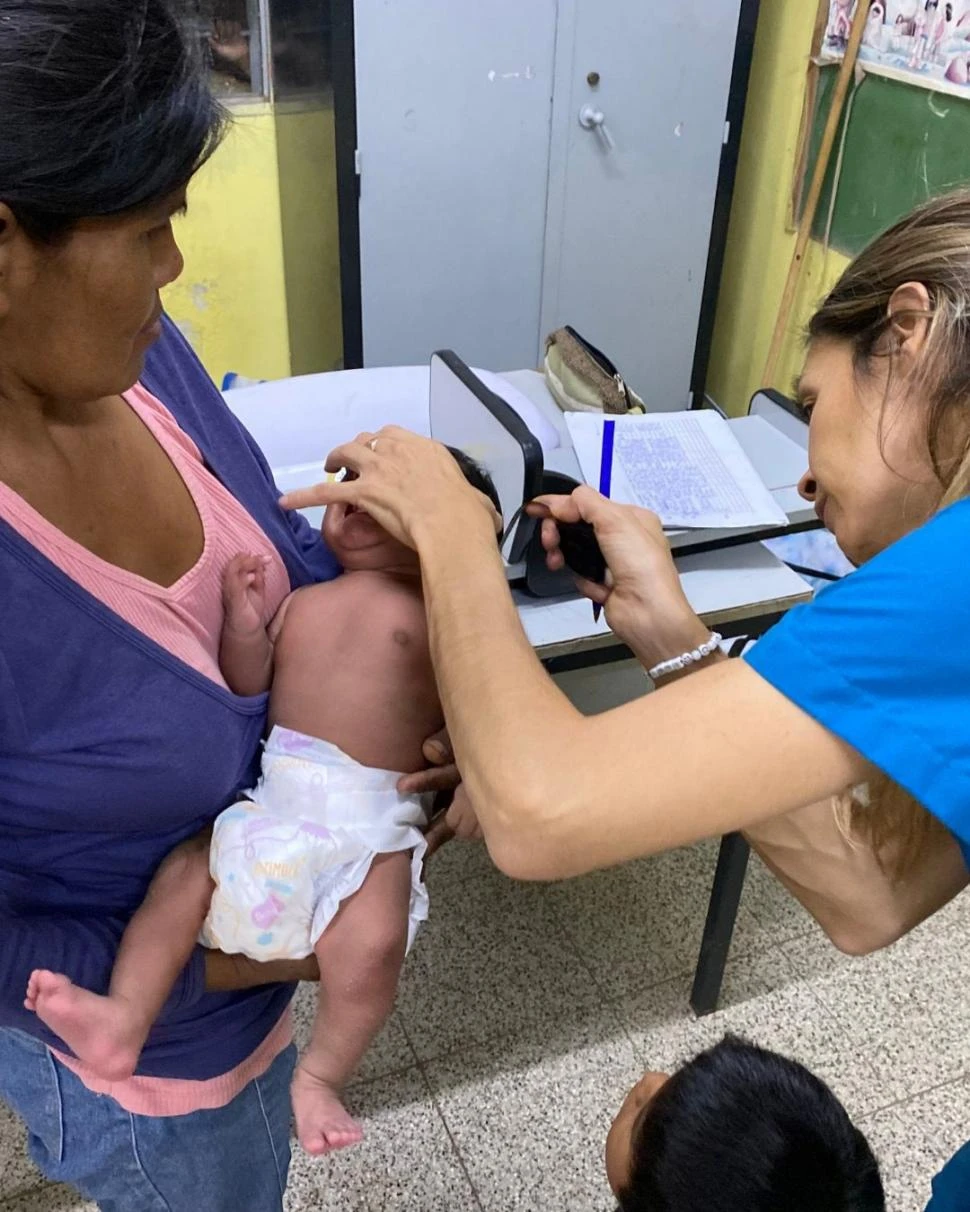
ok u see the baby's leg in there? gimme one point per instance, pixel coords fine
(109, 1032)
(360, 956)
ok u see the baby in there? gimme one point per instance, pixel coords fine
(324, 855)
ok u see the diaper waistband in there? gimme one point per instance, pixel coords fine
(301, 773)
(287, 743)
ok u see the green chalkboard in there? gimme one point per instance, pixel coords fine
(904, 144)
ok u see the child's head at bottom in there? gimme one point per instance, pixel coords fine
(739, 1129)
(359, 542)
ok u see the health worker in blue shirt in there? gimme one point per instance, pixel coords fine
(841, 743)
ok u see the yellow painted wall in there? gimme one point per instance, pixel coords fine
(231, 300)
(305, 136)
(760, 237)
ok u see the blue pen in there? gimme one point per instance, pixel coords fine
(606, 476)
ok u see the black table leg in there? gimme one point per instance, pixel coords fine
(722, 912)
(722, 909)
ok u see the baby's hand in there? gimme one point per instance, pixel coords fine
(244, 593)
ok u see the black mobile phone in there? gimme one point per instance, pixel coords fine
(581, 550)
(577, 542)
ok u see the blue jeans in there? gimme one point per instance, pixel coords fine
(227, 1160)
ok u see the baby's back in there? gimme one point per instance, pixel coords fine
(352, 667)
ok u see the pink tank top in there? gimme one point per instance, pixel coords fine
(186, 619)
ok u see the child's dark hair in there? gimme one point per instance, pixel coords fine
(106, 108)
(740, 1129)
(476, 475)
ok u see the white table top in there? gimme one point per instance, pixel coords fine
(298, 421)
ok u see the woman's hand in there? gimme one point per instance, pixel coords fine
(459, 820)
(644, 601)
(441, 778)
(406, 483)
(441, 773)
(229, 972)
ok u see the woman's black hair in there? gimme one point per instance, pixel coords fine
(741, 1129)
(106, 108)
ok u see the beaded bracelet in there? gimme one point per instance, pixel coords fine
(677, 663)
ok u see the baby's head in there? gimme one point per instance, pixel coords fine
(739, 1128)
(361, 544)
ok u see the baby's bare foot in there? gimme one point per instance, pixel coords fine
(98, 1030)
(322, 1122)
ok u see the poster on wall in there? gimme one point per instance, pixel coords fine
(922, 42)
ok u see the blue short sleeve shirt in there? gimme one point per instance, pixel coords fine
(882, 659)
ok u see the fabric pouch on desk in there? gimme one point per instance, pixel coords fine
(581, 378)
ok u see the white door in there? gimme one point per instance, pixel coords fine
(454, 103)
(631, 200)
(490, 216)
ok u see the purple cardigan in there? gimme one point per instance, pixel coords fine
(112, 751)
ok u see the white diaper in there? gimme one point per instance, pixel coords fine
(284, 859)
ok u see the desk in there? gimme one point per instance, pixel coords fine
(739, 591)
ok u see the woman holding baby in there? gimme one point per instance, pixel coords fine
(188, 690)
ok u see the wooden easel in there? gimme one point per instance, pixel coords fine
(846, 71)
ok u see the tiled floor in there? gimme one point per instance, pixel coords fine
(526, 1011)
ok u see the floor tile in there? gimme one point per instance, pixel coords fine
(944, 1114)
(813, 955)
(954, 916)
(493, 962)
(17, 1171)
(405, 1162)
(48, 1198)
(453, 865)
(640, 924)
(779, 916)
(915, 1139)
(525, 1056)
(770, 1010)
(389, 1053)
(905, 1005)
(907, 1158)
(531, 1124)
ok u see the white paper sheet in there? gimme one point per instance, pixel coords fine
(685, 466)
